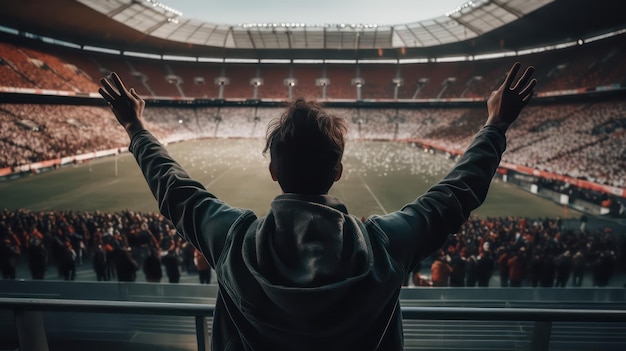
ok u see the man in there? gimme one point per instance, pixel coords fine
(37, 257)
(172, 262)
(441, 270)
(308, 275)
(99, 263)
(485, 266)
(152, 267)
(202, 266)
(9, 255)
(125, 266)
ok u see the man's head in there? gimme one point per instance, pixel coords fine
(306, 145)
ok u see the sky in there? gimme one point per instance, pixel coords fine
(381, 12)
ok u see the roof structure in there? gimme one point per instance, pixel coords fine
(479, 26)
(466, 22)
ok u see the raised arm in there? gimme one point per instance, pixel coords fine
(198, 215)
(423, 226)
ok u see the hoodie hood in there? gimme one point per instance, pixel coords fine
(307, 249)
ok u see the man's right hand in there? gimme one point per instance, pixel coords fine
(506, 103)
(125, 104)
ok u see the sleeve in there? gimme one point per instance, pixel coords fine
(198, 215)
(423, 226)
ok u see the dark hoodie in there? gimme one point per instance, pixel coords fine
(310, 276)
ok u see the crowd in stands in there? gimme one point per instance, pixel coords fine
(580, 140)
(34, 132)
(528, 252)
(522, 251)
(116, 245)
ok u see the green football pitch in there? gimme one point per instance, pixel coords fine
(379, 177)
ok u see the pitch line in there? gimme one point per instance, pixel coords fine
(372, 193)
(218, 177)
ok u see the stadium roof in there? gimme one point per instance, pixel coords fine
(479, 26)
(469, 21)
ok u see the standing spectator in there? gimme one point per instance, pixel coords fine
(441, 270)
(9, 254)
(171, 261)
(67, 262)
(203, 268)
(602, 268)
(579, 266)
(458, 264)
(517, 265)
(111, 245)
(548, 271)
(187, 254)
(287, 264)
(152, 267)
(146, 241)
(37, 258)
(564, 264)
(503, 267)
(59, 252)
(99, 263)
(471, 271)
(485, 266)
(126, 266)
(535, 266)
(76, 240)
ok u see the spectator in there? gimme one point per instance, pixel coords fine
(471, 277)
(203, 268)
(441, 270)
(503, 266)
(67, 262)
(564, 264)
(286, 265)
(485, 266)
(99, 263)
(516, 265)
(579, 267)
(37, 258)
(152, 267)
(548, 271)
(187, 253)
(535, 267)
(125, 266)
(602, 268)
(9, 254)
(172, 262)
(458, 264)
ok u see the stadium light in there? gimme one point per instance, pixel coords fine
(165, 7)
(464, 6)
(322, 82)
(358, 82)
(398, 81)
(257, 81)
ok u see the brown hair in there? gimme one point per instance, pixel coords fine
(306, 145)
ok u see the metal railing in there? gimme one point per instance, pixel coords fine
(32, 335)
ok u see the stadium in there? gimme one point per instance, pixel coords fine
(413, 96)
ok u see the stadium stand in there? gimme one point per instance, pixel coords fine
(597, 64)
